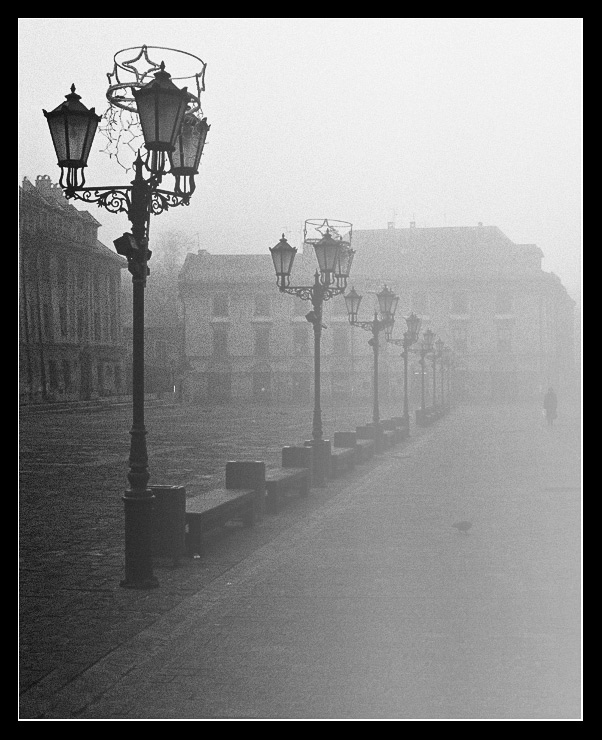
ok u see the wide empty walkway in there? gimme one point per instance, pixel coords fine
(375, 607)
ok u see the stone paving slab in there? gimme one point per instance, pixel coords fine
(372, 606)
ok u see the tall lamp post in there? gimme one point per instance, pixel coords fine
(334, 257)
(437, 355)
(171, 131)
(410, 337)
(444, 360)
(387, 304)
(425, 349)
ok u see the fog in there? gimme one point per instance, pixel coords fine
(444, 122)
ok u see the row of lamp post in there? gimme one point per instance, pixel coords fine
(174, 133)
(335, 256)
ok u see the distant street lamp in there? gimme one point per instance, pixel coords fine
(387, 304)
(410, 337)
(170, 129)
(425, 349)
(334, 256)
(437, 355)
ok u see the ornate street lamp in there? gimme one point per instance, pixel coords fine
(160, 107)
(72, 127)
(410, 337)
(437, 355)
(334, 256)
(425, 349)
(387, 303)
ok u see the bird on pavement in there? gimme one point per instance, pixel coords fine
(462, 526)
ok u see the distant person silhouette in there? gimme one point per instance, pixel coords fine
(550, 403)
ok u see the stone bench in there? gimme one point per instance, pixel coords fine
(242, 499)
(293, 476)
(402, 425)
(371, 432)
(342, 459)
(363, 448)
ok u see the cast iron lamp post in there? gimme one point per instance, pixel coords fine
(169, 127)
(410, 337)
(387, 304)
(437, 354)
(334, 261)
(425, 349)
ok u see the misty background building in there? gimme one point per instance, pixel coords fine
(70, 336)
(509, 322)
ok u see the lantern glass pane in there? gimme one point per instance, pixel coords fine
(189, 146)
(171, 113)
(146, 111)
(161, 113)
(327, 250)
(344, 261)
(80, 139)
(56, 124)
(352, 301)
(282, 257)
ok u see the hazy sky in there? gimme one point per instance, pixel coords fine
(443, 121)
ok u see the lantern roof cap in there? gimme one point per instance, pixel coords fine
(71, 104)
(162, 80)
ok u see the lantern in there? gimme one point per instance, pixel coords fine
(282, 256)
(427, 340)
(186, 156)
(343, 264)
(387, 303)
(413, 323)
(352, 302)
(439, 344)
(72, 127)
(327, 252)
(161, 108)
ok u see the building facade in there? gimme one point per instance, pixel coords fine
(70, 335)
(509, 323)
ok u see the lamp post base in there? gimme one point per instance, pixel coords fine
(321, 461)
(138, 542)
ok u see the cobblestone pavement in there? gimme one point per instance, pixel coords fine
(361, 601)
(73, 467)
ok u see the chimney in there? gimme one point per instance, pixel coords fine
(43, 182)
(412, 224)
(390, 224)
(480, 223)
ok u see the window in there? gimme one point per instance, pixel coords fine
(101, 377)
(117, 378)
(63, 320)
(81, 323)
(161, 350)
(262, 305)
(459, 303)
(54, 379)
(460, 338)
(503, 303)
(220, 305)
(67, 374)
(504, 337)
(48, 323)
(220, 341)
(97, 326)
(262, 341)
(300, 339)
(340, 340)
(420, 303)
